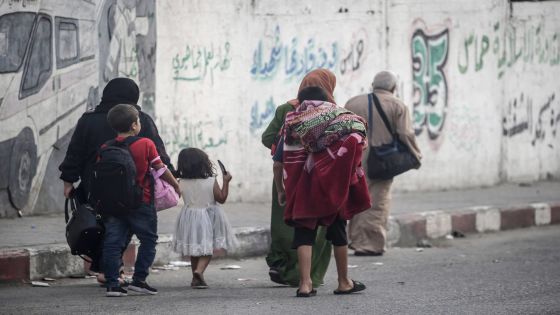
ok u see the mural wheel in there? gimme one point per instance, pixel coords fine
(23, 165)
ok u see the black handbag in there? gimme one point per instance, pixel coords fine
(388, 160)
(84, 229)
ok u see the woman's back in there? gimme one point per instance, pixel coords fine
(199, 192)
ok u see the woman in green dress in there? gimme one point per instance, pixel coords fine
(282, 259)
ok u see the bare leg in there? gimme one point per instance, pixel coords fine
(100, 277)
(202, 263)
(198, 271)
(194, 263)
(304, 253)
(341, 258)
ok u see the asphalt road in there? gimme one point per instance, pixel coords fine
(515, 272)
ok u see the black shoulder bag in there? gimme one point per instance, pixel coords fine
(387, 160)
(84, 229)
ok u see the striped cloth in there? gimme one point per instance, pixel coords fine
(317, 124)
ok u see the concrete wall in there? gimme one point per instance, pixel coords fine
(530, 108)
(55, 58)
(223, 67)
(494, 116)
(478, 76)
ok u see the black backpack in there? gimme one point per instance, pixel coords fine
(114, 189)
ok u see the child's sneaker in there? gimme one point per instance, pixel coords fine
(116, 292)
(141, 287)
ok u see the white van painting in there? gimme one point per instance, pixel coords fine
(50, 73)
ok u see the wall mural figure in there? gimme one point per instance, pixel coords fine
(430, 93)
(51, 70)
(127, 44)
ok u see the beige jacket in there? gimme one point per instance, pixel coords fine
(397, 113)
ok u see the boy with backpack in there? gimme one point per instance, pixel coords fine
(122, 191)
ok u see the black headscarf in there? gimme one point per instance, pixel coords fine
(119, 91)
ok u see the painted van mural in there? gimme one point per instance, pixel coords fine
(50, 73)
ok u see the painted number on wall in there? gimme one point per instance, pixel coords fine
(429, 57)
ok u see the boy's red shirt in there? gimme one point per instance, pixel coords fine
(143, 153)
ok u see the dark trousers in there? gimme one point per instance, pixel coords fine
(97, 256)
(141, 222)
(336, 234)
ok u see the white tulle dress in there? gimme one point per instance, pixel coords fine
(202, 225)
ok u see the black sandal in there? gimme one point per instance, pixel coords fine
(367, 253)
(358, 286)
(198, 281)
(275, 276)
(311, 293)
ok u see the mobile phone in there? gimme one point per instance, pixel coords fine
(222, 167)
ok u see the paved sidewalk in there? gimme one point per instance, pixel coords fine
(39, 230)
(504, 195)
(50, 229)
(415, 216)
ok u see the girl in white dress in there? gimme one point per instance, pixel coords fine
(202, 226)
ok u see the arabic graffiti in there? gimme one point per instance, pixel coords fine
(429, 57)
(484, 44)
(197, 138)
(294, 60)
(548, 118)
(297, 59)
(525, 42)
(197, 62)
(202, 134)
(352, 60)
(520, 117)
(261, 115)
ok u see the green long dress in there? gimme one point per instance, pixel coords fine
(281, 255)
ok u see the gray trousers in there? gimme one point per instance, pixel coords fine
(367, 230)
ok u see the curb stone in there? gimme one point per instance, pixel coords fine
(253, 241)
(56, 261)
(14, 264)
(31, 263)
(413, 228)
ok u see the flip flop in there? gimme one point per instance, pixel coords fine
(367, 253)
(198, 282)
(306, 295)
(358, 286)
(275, 277)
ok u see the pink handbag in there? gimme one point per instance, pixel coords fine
(165, 196)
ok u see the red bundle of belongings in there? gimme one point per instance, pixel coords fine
(324, 185)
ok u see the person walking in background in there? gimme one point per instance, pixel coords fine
(281, 258)
(202, 225)
(368, 230)
(93, 130)
(319, 177)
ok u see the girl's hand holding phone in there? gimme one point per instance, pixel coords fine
(227, 177)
